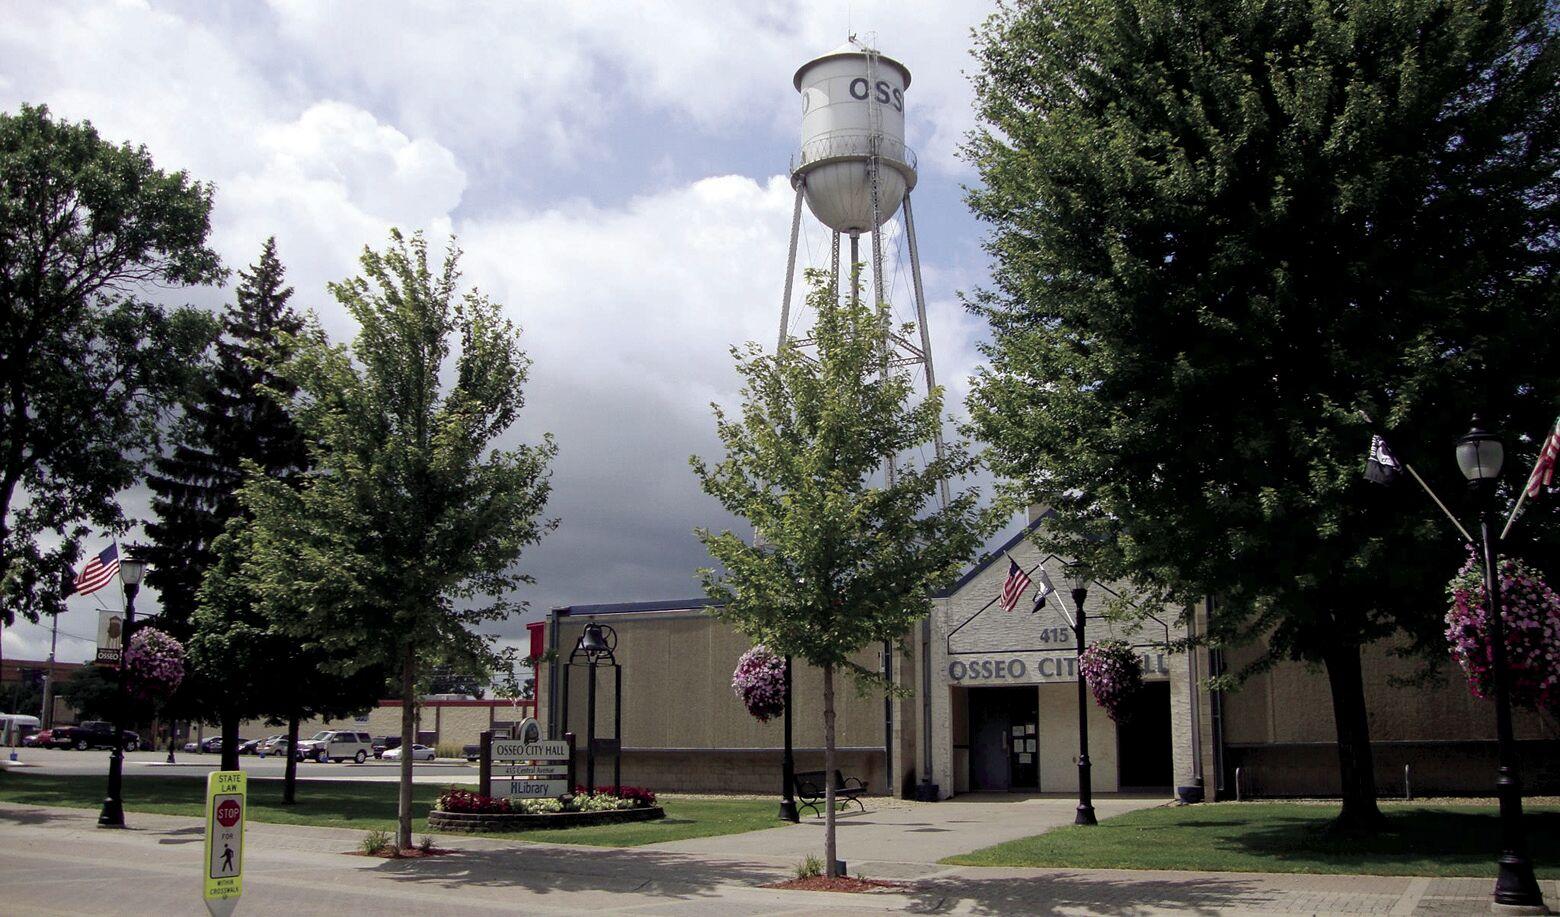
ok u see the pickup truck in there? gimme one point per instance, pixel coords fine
(85, 735)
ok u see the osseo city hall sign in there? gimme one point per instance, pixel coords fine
(1036, 668)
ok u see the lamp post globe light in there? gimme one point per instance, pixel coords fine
(1077, 578)
(131, 569)
(1480, 455)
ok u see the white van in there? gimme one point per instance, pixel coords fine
(16, 726)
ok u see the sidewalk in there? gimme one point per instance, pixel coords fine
(56, 861)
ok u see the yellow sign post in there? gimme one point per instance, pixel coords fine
(226, 808)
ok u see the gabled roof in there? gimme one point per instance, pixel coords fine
(994, 556)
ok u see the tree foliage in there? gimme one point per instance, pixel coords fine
(404, 535)
(87, 367)
(1220, 229)
(841, 558)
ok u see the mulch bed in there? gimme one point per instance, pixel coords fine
(411, 853)
(841, 884)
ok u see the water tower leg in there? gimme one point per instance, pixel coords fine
(885, 317)
(926, 334)
(790, 269)
(834, 267)
(855, 268)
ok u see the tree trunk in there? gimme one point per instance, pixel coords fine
(403, 831)
(830, 848)
(290, 774)
(229, 740)
(1356, 765)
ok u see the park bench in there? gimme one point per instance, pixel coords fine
(810, 790)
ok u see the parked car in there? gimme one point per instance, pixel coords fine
(419, 753)
(88, 734)
(273, 745)
(336, 745)
(383, 744)
(249, 746)
(472, 752)
(36, 740)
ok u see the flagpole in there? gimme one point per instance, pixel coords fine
(1515, 512)
(1371, 425)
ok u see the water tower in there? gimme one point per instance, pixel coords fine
(855, 173)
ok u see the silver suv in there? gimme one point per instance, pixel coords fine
(335, 745)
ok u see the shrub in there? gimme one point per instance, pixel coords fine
(1113, 674)
(449, 750)
(810, 868)
(375, 841)
(641, 797)
(425, 843)
(456, 799)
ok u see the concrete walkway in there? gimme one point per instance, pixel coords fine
(897, 839)
(56, 861)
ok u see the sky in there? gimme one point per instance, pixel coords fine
(615, 174)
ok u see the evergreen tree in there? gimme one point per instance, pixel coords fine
(1222, 228)
(229, 418)
(235, 416)
(839, 562)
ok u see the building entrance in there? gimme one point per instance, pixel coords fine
(1004, 739)
(1143, 738)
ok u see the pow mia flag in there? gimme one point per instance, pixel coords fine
(1382, 466)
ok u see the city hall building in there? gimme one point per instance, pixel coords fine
(989, 704)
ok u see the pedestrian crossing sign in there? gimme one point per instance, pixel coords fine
(226, 801)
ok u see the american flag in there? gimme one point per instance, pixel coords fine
(1544, 472)
(1014, 586)
(99, 571)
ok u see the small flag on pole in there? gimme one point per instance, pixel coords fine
(1544, 472)
(98, 572)
(1382, 466)
(1044, 591)
(1014, 586)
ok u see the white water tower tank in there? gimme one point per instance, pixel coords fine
(853, 103)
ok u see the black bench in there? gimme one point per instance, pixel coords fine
(810, 790)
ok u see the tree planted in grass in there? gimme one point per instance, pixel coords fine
(843, 558)
(1220, 229)
(88, 368)
(403, 535)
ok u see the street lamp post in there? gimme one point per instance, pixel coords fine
(1078, 582)
(788, 763)
(113, 814)
(1480, 456)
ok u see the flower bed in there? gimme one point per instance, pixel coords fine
(465, 811)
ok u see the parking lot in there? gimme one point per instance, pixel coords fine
(191, 764)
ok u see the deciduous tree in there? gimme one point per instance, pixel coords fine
(842, 558)
(87, 366)
(404, 535)
(1222, 228)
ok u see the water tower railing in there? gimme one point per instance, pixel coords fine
(852, 145)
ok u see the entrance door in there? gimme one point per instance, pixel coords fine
(1004, 732)
(1143, 740)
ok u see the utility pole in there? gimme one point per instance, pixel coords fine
(46, 715)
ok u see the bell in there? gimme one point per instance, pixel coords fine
(592, 643)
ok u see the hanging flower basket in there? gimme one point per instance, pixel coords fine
(154, 664)
(1113, 674)
(759, 682)
(1530, 614)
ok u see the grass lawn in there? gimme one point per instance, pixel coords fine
(1420, 840)
(348, 804)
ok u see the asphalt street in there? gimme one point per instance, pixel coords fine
(63, 762)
